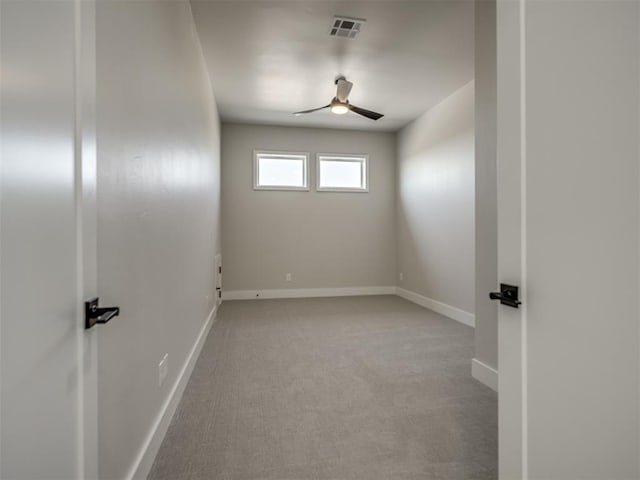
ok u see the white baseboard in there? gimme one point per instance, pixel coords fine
(455, 313)
(307, 293)
(143, 462)
(485, 374)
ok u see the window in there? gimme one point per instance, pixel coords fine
(342, 173)
(280, 171)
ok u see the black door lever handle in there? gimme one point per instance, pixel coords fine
(94, 314)
(508, 295)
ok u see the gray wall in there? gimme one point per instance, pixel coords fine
(158, 211)
(486, 337)
(324, 239)
(435, 208)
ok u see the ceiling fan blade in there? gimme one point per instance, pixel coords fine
(344, 88)
(365, 113)
(311, 111)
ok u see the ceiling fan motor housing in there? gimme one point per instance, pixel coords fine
(336, 101)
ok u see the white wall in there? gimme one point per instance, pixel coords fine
(158, 212)
(324, 239)
(435, 206)
(486, 336)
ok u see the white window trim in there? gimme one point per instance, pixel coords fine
(305, 188)
(364, 159)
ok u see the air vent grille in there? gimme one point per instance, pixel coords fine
(346, 27)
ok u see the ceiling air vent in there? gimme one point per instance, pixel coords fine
(346, 27)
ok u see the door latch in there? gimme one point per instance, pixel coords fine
(94, 314)
(508, 295)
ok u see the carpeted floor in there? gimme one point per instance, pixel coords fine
(332, 388)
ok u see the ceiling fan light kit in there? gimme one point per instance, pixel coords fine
(338, 107)
(340, 103)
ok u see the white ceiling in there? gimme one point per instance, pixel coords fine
(270, 58)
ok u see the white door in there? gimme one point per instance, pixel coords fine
(47, 239)
(568, 183)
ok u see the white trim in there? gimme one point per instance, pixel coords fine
(484, 374)
(455, 313)
(523, 238)
(363, 160)
(144, 460)
(307, 292)
(638, 453)
(282, 154)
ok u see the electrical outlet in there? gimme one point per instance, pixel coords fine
(163, 369)
(401, 276)
(287, 277)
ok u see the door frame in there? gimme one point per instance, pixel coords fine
(511, 163)
(85, 163)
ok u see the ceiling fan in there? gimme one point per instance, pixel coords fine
(340, 103)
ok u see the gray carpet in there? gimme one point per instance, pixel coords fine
(332, 388)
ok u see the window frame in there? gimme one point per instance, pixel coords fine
(256, 170)
(349, 157)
